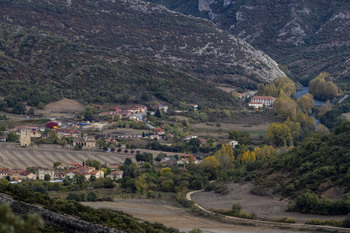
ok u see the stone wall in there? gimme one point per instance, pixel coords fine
(64, 222)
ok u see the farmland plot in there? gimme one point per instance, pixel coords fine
(12, 157)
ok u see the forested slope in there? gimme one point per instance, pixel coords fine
(320, 164)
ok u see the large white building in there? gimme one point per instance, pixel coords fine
(260, 101)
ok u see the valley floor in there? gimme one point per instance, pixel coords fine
(264, 207)
(156, 211)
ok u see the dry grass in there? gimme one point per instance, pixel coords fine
(266, 207)
(157, 211)
(62, 107)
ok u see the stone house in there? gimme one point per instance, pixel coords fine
(85, 141)
(41, 172)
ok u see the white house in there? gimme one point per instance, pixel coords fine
(115, 175)
(233, 143)
(264, 100)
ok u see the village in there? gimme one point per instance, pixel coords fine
(99, 136)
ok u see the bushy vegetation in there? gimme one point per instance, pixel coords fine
(336, 223)
(312, 203)
(332, 116)
(105, 217)
(11, 223)
(236, 211)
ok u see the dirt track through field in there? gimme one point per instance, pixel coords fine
(12, 156)
(156, 211)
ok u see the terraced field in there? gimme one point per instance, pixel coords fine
(14, 157)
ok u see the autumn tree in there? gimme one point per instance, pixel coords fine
(279, 133)
(322, 89)
(306, 103)
(285, 107)
(248, 156)
(225, 156)
(324, 109)
(279, 85)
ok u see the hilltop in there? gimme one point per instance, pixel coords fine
(307, 37)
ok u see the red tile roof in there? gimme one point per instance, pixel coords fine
(263, 98)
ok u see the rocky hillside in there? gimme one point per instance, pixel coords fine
(307, 36)
(194, 46)
(40, 68)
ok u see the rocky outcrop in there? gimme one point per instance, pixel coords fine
(307, 36)
(64, 222)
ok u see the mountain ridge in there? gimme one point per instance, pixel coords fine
(193, 45)
(306, 37)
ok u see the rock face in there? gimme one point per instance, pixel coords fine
(63, 222)
(308, 36)
(195, 46)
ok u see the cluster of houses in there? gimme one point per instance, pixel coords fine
(59, 173)
(132, 113)
(27, 133)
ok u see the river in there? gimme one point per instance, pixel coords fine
(303, 91)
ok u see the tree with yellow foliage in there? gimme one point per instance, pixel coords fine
(166, 171)
(248, 156)
(211, 161)
(324, 109)
(228, 149)
(306, 103)
(284, 106)
(322, 89)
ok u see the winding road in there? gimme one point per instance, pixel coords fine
(295, 226)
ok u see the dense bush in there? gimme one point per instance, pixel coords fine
(312, 203)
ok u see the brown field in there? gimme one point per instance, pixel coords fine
(347, 115)
(226, 88)
(61, 108)
(14, 117)
(12, 156)
(157, 211)
(264, 207)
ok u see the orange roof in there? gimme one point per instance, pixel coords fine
(95, 172)
(263, 98)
